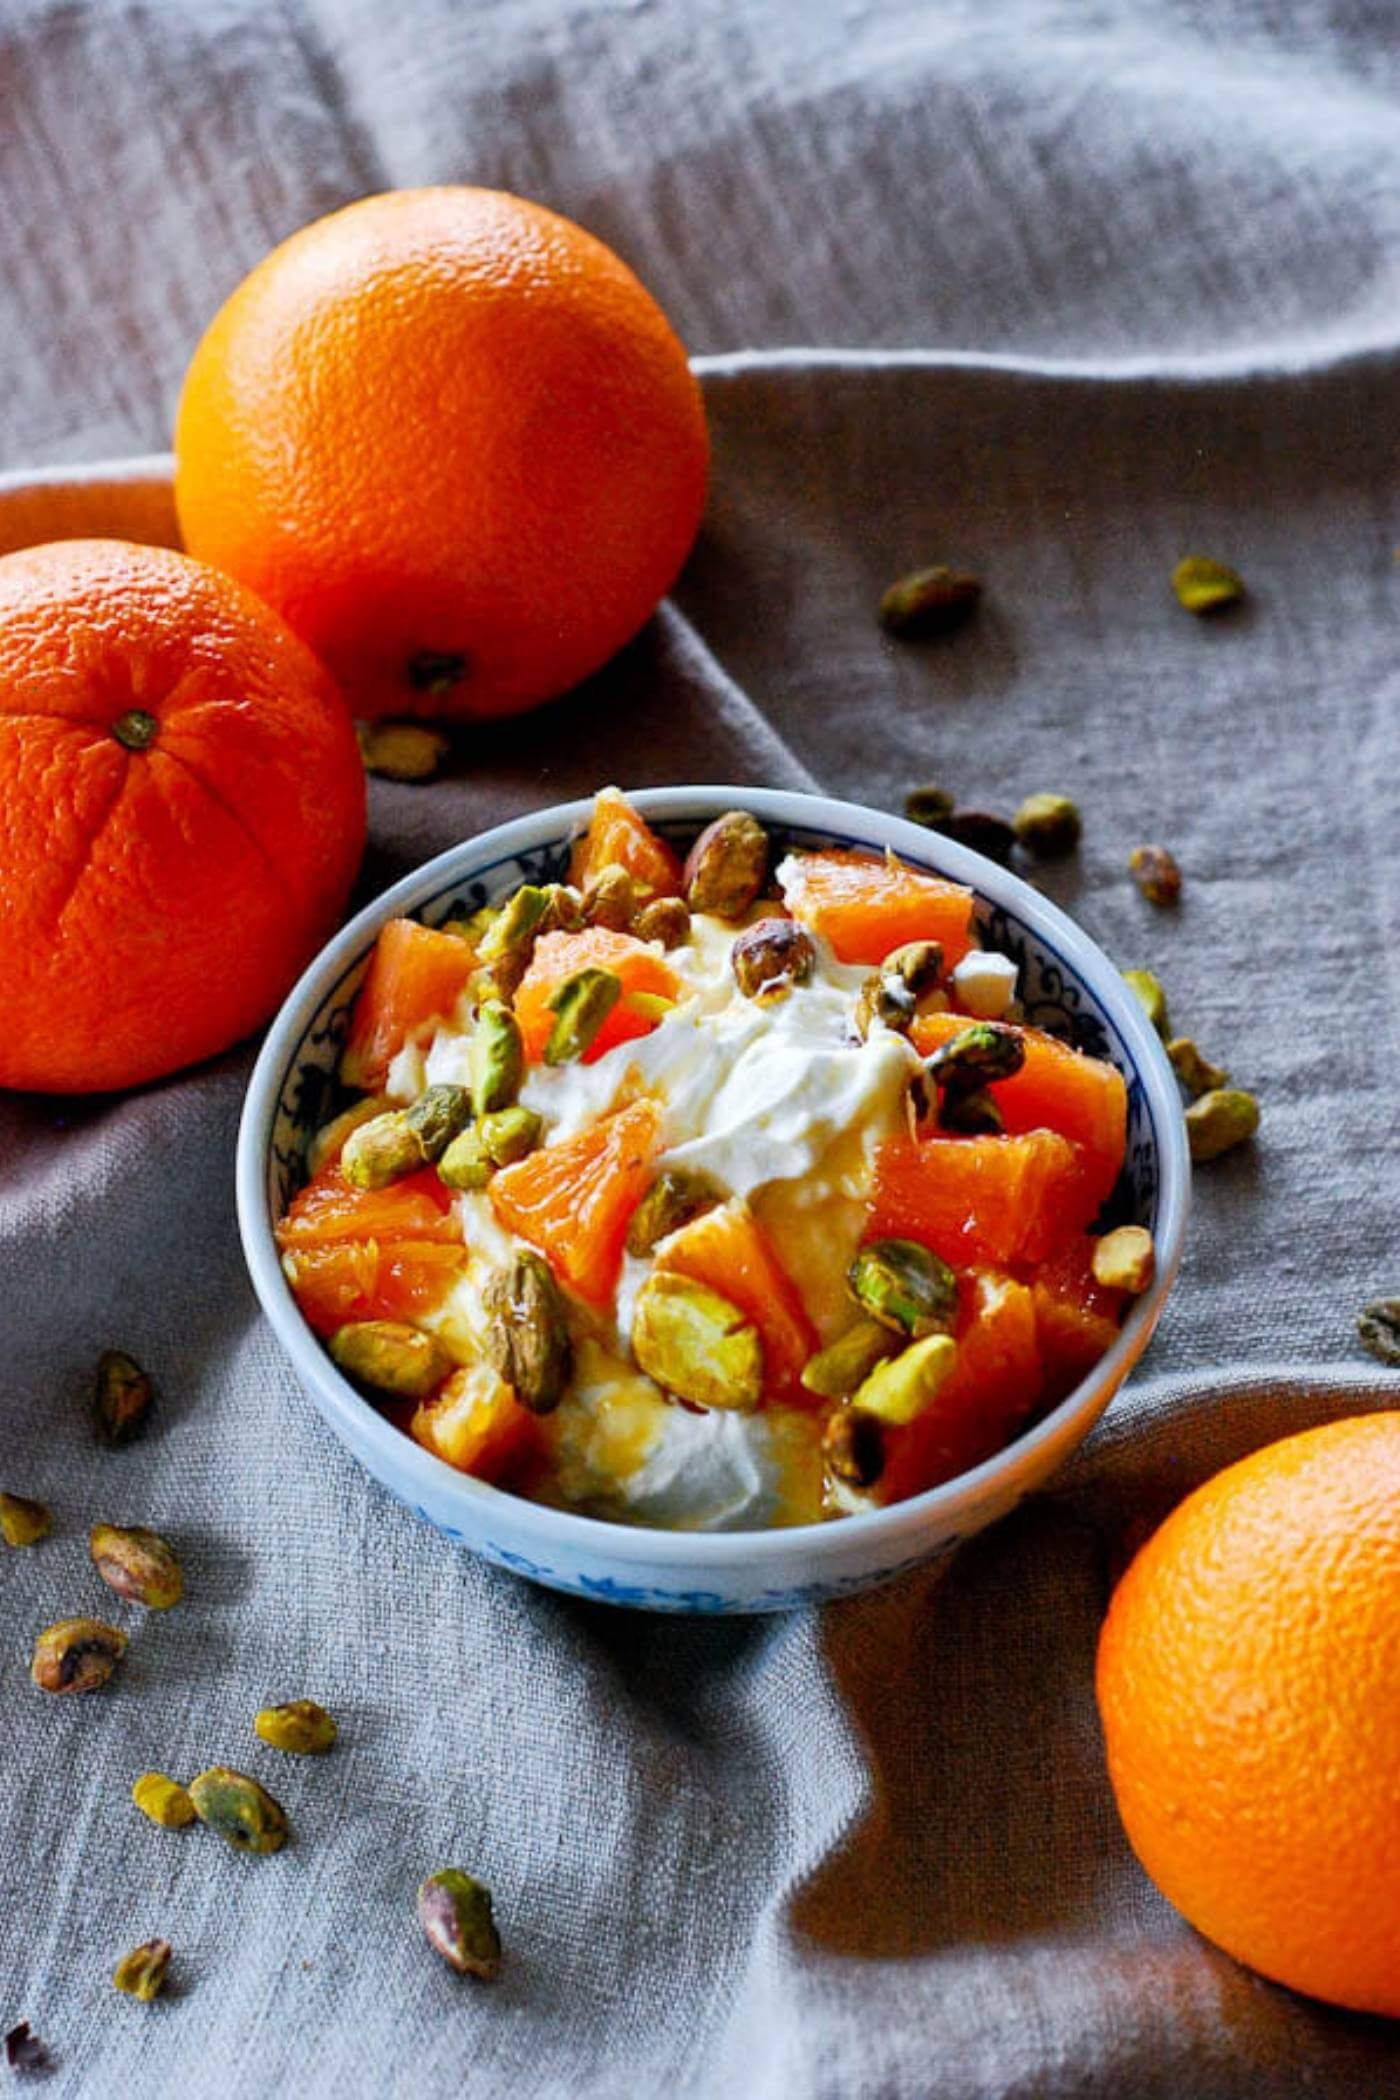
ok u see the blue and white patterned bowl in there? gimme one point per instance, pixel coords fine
(1067, 986)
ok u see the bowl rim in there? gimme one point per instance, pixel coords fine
(359, 1424)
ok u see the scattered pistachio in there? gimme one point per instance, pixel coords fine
(495, 1058)
(515, 924)
(1125, 1259)
(1048, 826)
(563, 909)
(299, 1726)
(526, 1338)
(239, 1809)
(123, 1397)
(138, 1564)
(929, 806)
(853, 1445)
(580, 1006)
(1206, 586)
(665, 919)
(1196, 1073)
(401, 750)
(142, 1972)
(677, 1195)
(466, 1164)
(384, 1150)
(22, 1522)
(835, 1372)
(1379, 1328)
(770, 957)
(982, 831)
(1147, 990)
(892, 994)
(905, 1287)
(929, 601)
(23, 2049)
(727, 866)
(391, 1356)
(696, 1344)
(1156, 874)
(76, 1655)
(455, 1913)
(1220, 1120)
(976, 1056)
(327, 1143)
(164, 1800)
(973, 1114)
(509, 1134)
(610, 898)
(898, 1390)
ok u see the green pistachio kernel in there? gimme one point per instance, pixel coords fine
(515, 924)
(509, 1134)
(1196, 1073)
(835, 1372)
(391, 1356)
(1048, 825)
(495, 1058)
(929, 601)
(1147, 990)
(466, 1163)
(123, 1398)
(329, 1140)
(379, 1152)
(1206, 586)
(239, 1809)
(898, 1391)
(454, 1911)
(526, 1337)
(138, 1564)
(299, 1726)
(142, 1972)
(1125, 1259)
(76, 1655)
(22, 1522)
(1220, 1120)
(696, 1344)
(580, 1006)
(164, 1800)
(905, 1287)
(436, 1117)
(677, 1195)
(975, 1057)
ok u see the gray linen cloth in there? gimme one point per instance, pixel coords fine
(1129, 274)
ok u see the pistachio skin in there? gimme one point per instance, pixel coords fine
(298, 1726)
(76, 1655)
(898, 1391)
(138, 1564)
(495, 1059)
(391, 1356)
(580, 1006)
(454, 1911)
(665, 919)
(696, 1344)
(122, 1400)
(1225, 1117)
(164, 1800)
(905, 1287)
(1049, 826)
(978, 1055)
(770, 957)
(727, 866)
(436, 1117)
(22, 1522)
(677, 1195)
(853, 1446)
(526, 1338)
(142, 1972)
(835, 1372)
(1125, 1259)
(610, 899)
(563, 911)
(929, 602)
(239, 1810)
(1148, 992)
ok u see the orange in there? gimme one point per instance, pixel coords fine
(994, 1385)
(1057, 1088)
(415, 976)
(573, 1200)
(727, 1249)
(1249, 1686)
(1076, 1319)
(865, 907)
(182, 811)
(982, 1199)
(617, 836)
(369, 1254)
(559, 955)
(476, 1423)
(453, 440)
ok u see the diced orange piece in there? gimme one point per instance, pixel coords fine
(415, 976)
(995, 1384)
(1076, 1318)
(329, 1209)
(982, 1199)
(476, 1423)
(369, 1254)
(617, 836)
(1057, 1088)
(728, 1250)
(559, 955)
(864, 907)
(573, 1200)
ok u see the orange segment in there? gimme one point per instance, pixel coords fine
(573, 1200)
(558, 955)
(982, 1199)
(329, 1210)
(1076, 1318)
(476, 1423)
(995, 1384)
(1057, 1088)
(415, 975)
(618, 836)
(727, 1250)
(369, 1254)
(865, 907)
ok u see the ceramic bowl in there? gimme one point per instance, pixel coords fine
(1067, 985)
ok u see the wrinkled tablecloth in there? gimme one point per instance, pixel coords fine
(1091, 286)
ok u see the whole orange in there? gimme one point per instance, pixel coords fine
(1249, 1685)
(453, 440)
(182, 810)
